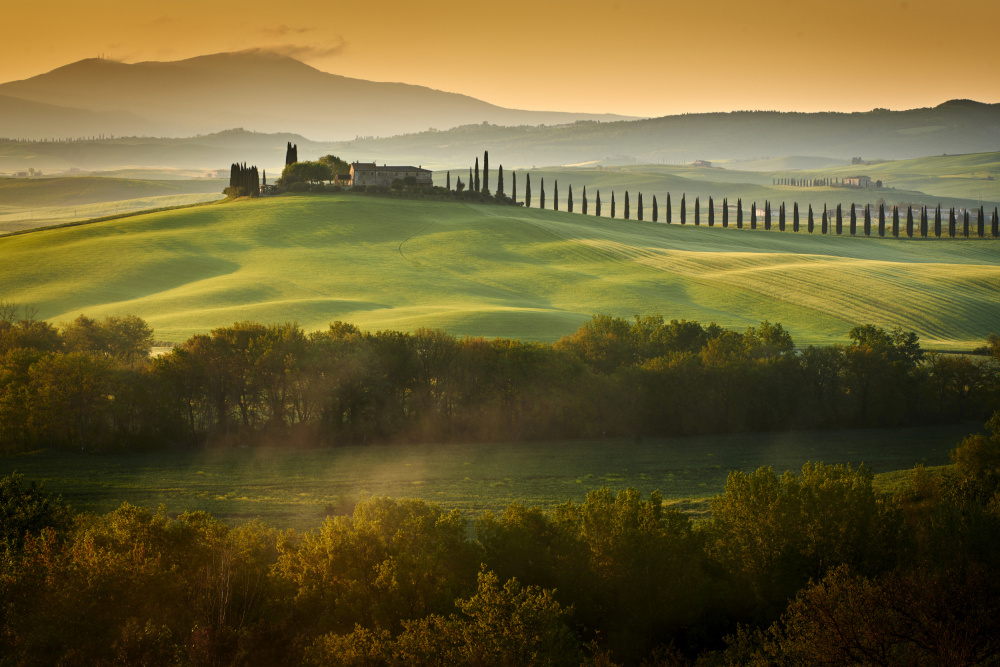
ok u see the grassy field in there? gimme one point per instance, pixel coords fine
(298, 488)
(491, 271)
(41, 202)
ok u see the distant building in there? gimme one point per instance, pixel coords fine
(858, 181)
(369, 173)
(701, 163)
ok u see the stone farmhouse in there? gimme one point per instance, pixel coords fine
(369, 173)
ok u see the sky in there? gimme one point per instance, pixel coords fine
(631, 57)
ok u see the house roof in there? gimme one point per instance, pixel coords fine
(371, 166)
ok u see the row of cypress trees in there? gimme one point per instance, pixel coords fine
(245, 180)
(831, 222)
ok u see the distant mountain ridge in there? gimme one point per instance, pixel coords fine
(254, 89)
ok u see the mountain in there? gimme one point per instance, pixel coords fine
(957, 126)
(21, 118)
(257, 90)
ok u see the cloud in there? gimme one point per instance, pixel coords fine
(283, 29)
(333, 47)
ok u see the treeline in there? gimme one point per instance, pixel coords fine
(244, 181)
(816, 568)
(91, 385)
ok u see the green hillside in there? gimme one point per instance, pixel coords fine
(491, 271)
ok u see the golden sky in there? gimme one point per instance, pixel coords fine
(637, 57)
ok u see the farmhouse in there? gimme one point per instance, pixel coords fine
(858, 181)
(369, 173)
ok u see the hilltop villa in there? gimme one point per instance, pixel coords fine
(369, 173)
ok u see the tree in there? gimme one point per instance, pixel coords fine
(597, 204)
(541, 199)
(656, 212)
(639, 208)
(909, 221)
(486, 172)
(711, 212)
(840, 221)
(824, 222)
(337, 166)
(472, 181)
(937, 222)
(475, 183)
(895, 222)
(753, 216)
(447, 182)
(995, 226)
(683, 209)
(881, 220)
(868, 220)
(459, 186)
(965, 224)
(612, 203)
(981, 223)
(952, 223)
(555, 196)
(810, 221)
(923, 222)
(725, 212)
(585, 200)
(500, 182)
(289, 155)
(527, 190)
(513, 186)
(739, 213)
(668, 209)
(569, 200)
(697, 211)
(795, 217)
(626, 205)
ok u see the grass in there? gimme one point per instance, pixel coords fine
(298, 488)
(491, 271)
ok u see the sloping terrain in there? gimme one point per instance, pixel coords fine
(491, 271)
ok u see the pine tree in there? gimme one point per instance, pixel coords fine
(555, 197)
(597, 204)
(795, 217)
(447, 182)
(895, 222)
(626, 205)
(810, 221)
(475, 183)
(639, 209)
(527, 190)
(937, 221)
(669, 211)
(500, 183)
(881, 220)
(486, 172)
(569, 200)
(585, 200)
(683, 209)
(909, 222)
(656, 211)
(541, 199)
(612, 203)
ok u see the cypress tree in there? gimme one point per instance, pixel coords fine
(725, 212)
(475, 183)
(541, 199)
(612, 203)
(569, 200)
(937, 221)
(854, 219)
(500, 182)
(739, 213)
(923, 222)
(753, 216)
(683, 209)
(486, 172)
(895, 222)
(597, 204)
(840, 220)
(951, 222)
(781, 217)
(513, 186)
(825, 226)
(472, 181)
(447, 181)
(767, 215)
(881, 220)
(981, 223)
(656, 211)
(711, 212)
(639, 208)
(909, 222)
(555, 197)
(527, 190)
(965, 225)
(995, 224)
(810, 221)
(868, 220)
(795, 217)
(626, 205)
(697, 211)
(668, 209)
(295, 152)
(585, 200)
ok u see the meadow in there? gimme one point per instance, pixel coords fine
(299, 487)
(487, 270)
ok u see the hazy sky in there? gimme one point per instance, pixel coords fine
(641, 57)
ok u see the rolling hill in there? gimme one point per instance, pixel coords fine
(253, 89)
(491, 271)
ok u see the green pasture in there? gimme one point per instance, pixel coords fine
(488, 270)
(297, 488)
